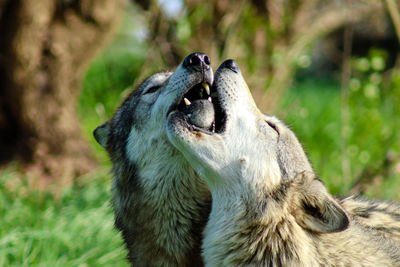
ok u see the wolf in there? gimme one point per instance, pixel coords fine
(160, 204)
(268, 206)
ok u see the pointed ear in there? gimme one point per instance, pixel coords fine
(316, 210)
(101, 133)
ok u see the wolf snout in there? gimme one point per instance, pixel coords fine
(197, 61)
(231, 64)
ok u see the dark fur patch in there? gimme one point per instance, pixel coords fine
(385, 211)
(314, 212)
(387, 229)
(280, 193)
(361, 212)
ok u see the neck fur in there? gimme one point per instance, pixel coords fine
(163, 214)
(251, 224)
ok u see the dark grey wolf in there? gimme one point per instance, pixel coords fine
(161, 205)
(268, 207)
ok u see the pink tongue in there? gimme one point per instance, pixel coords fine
(201, 113)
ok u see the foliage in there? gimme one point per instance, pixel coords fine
(267, 38)
(76, 229)
(373, 130)
(371, 134)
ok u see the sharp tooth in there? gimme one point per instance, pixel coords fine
(207, 87)
(187, 102)
(209, 99)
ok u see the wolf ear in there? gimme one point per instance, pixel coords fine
(316, 210)
(101, 133)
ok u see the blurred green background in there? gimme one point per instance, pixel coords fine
(339, 92)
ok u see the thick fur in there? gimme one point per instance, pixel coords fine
(161, 205)
(378, 215)
(298, 224)
(268, 207)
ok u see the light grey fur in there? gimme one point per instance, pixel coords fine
(160, 204)
(268, 207)
(378, 215)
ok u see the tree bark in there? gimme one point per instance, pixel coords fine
(45, 47)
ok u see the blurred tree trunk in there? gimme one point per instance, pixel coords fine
(45, 47)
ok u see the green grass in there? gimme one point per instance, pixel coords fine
(76, 229)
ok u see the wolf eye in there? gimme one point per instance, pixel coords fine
(273, 126)
(152, 89)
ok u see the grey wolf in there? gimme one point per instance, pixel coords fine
(160, 204)
(268, 206)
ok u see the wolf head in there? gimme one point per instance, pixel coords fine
(244, 135)
(159, 202)
(250, 154)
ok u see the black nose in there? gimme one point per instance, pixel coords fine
(231, 64)
(197, 61)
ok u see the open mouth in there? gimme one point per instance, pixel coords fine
(200, 108)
